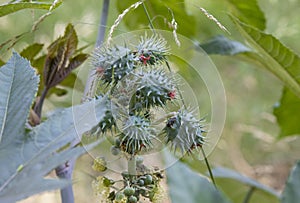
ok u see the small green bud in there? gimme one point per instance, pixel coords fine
(132, 199)
(141, 182)
(119, 196)
(128, 191)
(148, 179)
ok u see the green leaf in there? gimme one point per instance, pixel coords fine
(184, 185)
(31, 51)
(159, 12)
(223, 46)
(14, 7)
(291, 193)
(287, 113)
(26, 157)
(248, 12)
(273, 55)
(19, 84)
(221, 172)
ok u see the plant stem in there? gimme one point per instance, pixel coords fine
(148, 16)
(208, 167)
(103, 22)
(249, 195)
(65, 171)
(90, 85)
(38, 106)
(132, 166)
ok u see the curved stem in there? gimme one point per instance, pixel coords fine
(249, 195)
(148, 16)
(208, 167)
(38, 106)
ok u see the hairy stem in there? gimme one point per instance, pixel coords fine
(66, 170)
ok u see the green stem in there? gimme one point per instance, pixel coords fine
(208, 167)
(148, 16)
(249, 195)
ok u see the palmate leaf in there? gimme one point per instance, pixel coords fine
(187, 186)
(14, 7)
(26, 157)
(291, 193)
(18, 87)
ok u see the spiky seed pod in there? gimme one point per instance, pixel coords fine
(117, 61)
(108, 122)
(152, 50)
(113, 63)
(153, 88)
(136, 135)
(184, 131)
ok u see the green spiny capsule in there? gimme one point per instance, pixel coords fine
(154, 88)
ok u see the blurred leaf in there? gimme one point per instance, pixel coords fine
(70, 82)
(26, 157)
(31, 51)
(223, 46)
(184, 185)
(273, 55)
(221, 172)
(18, 84)
(248, 12)
(287, 113)
(14, 7)
(291, 193)
(39, 63)
(158, 9)
(1, 62)
(57, 91)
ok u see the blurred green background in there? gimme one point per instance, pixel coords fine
(249, 142)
